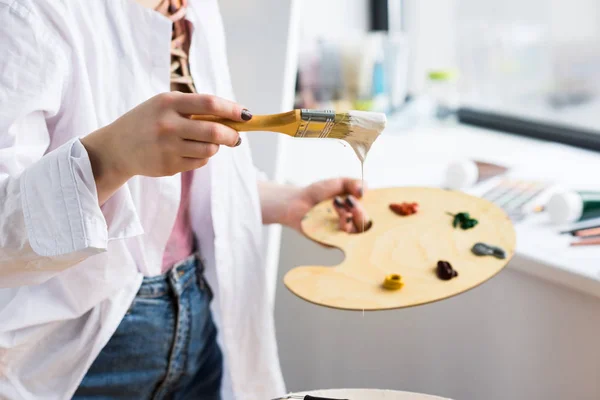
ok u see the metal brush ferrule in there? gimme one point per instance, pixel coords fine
(324, 118)
(317, 115)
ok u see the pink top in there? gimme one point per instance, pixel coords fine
(181, 242)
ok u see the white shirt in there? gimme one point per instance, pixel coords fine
(70, 269)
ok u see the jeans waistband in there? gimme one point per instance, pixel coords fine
(176, 279)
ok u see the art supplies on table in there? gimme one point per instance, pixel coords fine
(463, 174)
(520, 198)
(584, 233)
(572, 206)
(366, 72)
(517, 197)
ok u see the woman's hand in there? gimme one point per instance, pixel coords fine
(288, 205)
(158, 139)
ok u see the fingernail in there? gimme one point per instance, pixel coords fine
(360, 191)
(338, 202)
(350, 201)
(238, 142)
(348, 219)
(246, 115)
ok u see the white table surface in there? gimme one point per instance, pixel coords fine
(419, 157)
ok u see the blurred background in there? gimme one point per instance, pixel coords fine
(499, 99)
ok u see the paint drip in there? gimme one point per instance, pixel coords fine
(365, 128)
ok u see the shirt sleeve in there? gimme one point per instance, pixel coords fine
(50, 219)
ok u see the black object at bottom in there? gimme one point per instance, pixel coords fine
(579, 137)
(306, 397)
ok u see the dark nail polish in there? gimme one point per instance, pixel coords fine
(360, 191)
(246, 115)
(338, 202)
(348, 219)
(238, 142)
(350, 202)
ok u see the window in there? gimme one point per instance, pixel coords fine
(530, 67)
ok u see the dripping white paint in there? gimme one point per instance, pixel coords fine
(365, 127)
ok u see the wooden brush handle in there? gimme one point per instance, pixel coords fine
(286, 123)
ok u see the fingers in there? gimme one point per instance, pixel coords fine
(209, 132)
(346, 223)
(202, 104)
(354, 187)
(352, 215)
(359, 214)
(197, 150)
(334, 187)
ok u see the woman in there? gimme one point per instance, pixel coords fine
(119, 214)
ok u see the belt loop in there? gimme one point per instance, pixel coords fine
(174, 274)
(199, 271)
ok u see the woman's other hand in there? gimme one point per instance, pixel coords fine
(344, 194)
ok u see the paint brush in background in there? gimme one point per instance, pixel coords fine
(587, 232)
(582, 210)
(581, 226)
(358, 128)
(586, 236)
(591, 241)
(466, 173)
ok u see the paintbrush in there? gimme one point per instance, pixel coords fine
(358, 128)
(587, 232)
(581, 226)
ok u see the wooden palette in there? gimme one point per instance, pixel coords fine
(410, 246)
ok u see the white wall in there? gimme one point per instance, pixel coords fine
(515, 337)
(333, 18)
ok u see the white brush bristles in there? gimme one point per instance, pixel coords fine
(365, 127)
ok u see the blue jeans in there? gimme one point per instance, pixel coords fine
(165, 346)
